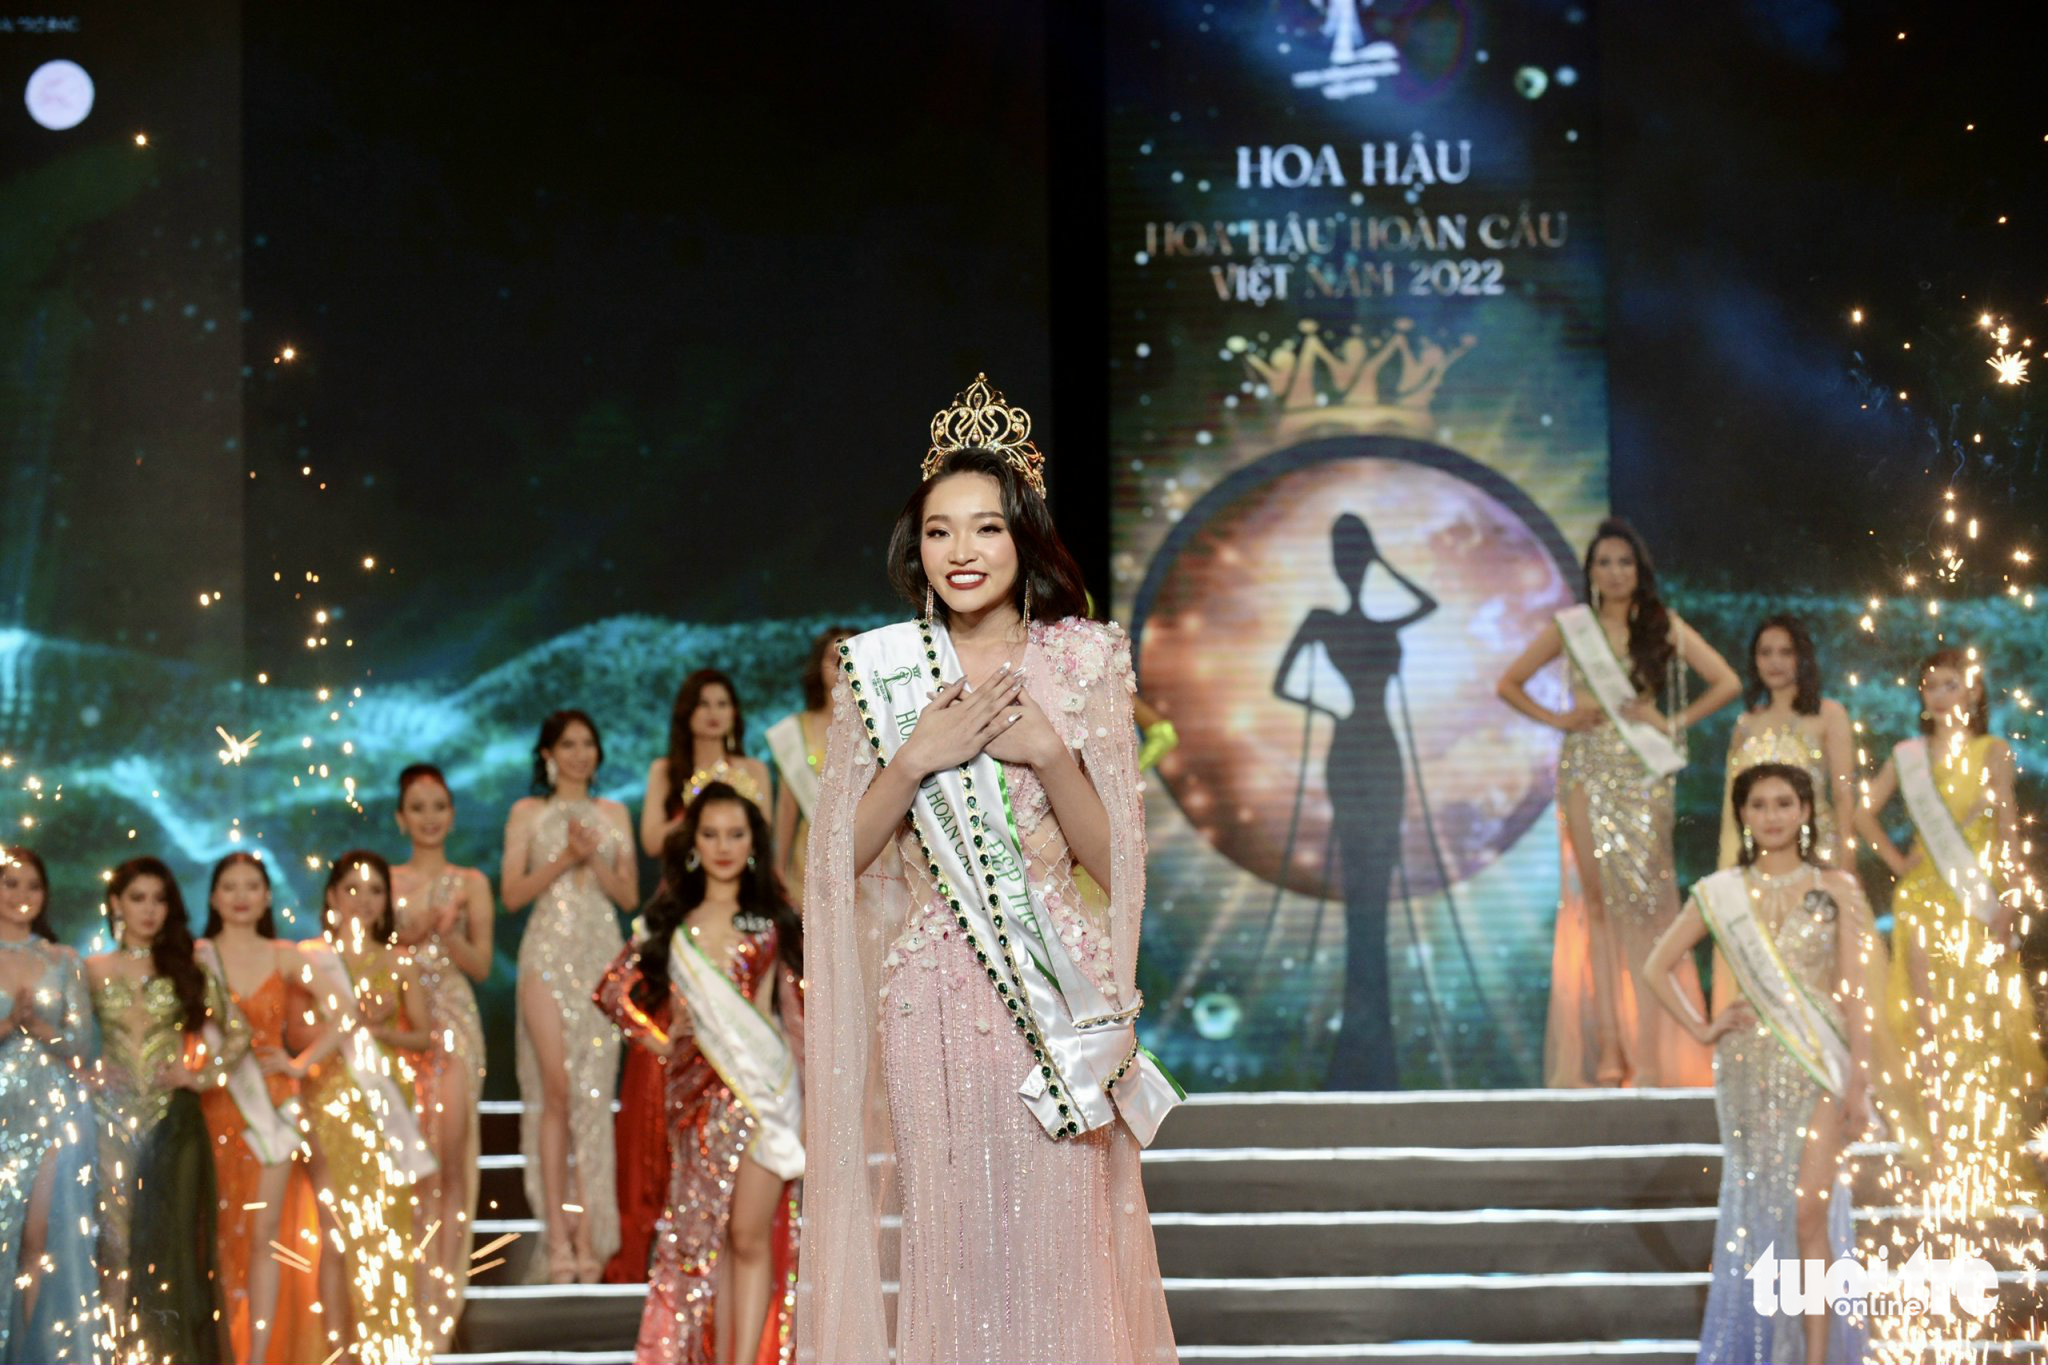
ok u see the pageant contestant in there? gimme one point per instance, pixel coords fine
(570, 856)
(156, 1006)
(1786, 720)
(705, 728)
(798, 743)
(368, 1154)
(1791, 1065)
(265, 1196)
(49, 1197)
(1624, 743)
(719, 958)
(444, 923)
(990, 1019)
(1958, 999)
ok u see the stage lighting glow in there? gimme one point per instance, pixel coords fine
(59, 95)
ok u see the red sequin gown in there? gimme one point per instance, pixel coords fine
(708, 1130)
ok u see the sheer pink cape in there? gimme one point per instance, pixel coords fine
(1080, 675)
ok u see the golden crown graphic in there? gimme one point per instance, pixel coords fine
(1361, 386)
(980, 417)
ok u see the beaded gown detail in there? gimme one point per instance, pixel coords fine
(47, 1133)
(572, 935)
(1013, 1246)
(1631, 811)
(159, 1274)
(1764, 1101)
(238, 1172)
(449, 1075)
(709, 1129)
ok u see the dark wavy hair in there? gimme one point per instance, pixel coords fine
(1802, 787)
(28, 857)
(682, 746)
(1043, 562)
(816, 698)
(682, 890)
(1979, 722)
(1649, 621)
(170, 954)
(424, 772)
(551, 731)
(386, 929)
(1806, 685)
(267, 926)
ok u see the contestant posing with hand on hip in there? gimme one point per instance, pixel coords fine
(1624, 743)
(1793, 1063)
(997, 754)
(570, 856)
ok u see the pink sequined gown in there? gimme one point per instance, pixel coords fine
(1014, 1247)
(708, 1130)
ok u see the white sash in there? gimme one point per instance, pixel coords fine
(749, 1054)
(1585, 639)
(1939, 834)
(1787, 1007)
(1090, 1067)
(368, 1064)
(272, 1133)
(793, 761)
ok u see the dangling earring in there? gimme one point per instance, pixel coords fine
(927, 622)
(1748, 845)
(691, 862)
(1805, 839)
(1595, 595)
(1027, 611)
(732, 742)
(554, 770)
(750, 862)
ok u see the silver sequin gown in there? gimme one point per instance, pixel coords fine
(572, 935)
(1764, 1101)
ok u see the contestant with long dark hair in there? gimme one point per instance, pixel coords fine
(1616, 776)
(569, 854)
(706, 727)
(1793, 1062)
(266, 1194)
(1368, 788)
(1785, 719)
(154, 1001)
(368, 1155)
(921, 1026)
(444, 916)
(49, 1194)
(729, 1034)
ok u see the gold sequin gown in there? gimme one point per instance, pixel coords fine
(158, 1272)
(1631, 811)
(46, 1123)
(373, 1212)
(572, 936)
(709, 1129)
(1965, 1039)
(1764, 1101)
(449, 1075)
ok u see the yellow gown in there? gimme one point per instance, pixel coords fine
(1974, 1031)
(372, 1210)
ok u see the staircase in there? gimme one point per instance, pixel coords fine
(1440, 1226)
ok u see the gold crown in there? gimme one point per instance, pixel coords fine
(1364, 386)
(981, 418)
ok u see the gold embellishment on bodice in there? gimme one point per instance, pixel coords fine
(142, 1030)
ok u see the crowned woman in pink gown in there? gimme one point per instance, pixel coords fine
(1025, 1234)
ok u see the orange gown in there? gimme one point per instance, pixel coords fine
(296, 1335)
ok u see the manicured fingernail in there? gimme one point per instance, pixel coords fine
(1005, 667)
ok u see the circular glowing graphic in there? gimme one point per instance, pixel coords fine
(59, 95)
(1388, 702)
